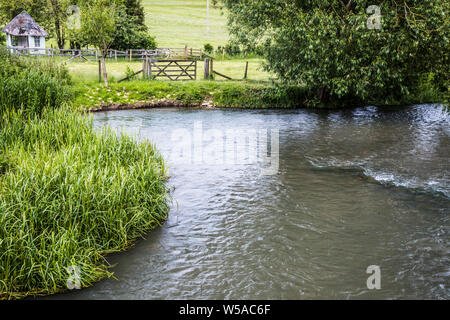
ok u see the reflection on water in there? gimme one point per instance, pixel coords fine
(354, 188)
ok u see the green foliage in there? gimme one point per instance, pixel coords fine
(135, 9)
(130, 74)
(327, 45)
(98, 23)
(31, 85)
(131, 30)
(232, 49)
(38, 9)
(2, 39)
(68, 196)
(426, 90)
(208, 48)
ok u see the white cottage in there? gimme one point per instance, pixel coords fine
(23, 32)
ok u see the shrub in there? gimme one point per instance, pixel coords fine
(130, 74)
(208, 48)
(232, 49)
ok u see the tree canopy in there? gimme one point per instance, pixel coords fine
(132, 32)
(345, 49)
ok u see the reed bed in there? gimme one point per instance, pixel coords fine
(32, 85)
(69, 195)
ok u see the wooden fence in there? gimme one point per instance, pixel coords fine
(130, 54)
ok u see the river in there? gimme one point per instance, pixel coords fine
(334, 193)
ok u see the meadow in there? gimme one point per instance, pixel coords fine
(176, 23)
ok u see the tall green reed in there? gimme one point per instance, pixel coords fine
(30, 85)
(69, 195)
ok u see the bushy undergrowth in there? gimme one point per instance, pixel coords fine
(69, 195)
(31, 85)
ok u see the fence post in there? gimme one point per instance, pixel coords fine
(149, 66)
(195, 69)
(144, 67)
(246, 70)
(206, 69)
(211, 72)
(186, 52)
(99, 71)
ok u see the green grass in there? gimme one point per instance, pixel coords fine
(176, 23)
(239, 94)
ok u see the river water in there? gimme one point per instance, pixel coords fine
(346, 190)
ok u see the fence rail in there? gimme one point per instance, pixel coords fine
(130, 54)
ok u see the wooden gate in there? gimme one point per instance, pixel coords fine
(172, 69)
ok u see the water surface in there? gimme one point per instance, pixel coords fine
(354, 188)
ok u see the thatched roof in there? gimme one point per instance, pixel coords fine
(24, 25)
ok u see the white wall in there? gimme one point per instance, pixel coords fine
(32, 43)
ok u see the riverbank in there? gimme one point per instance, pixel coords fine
(204, 94)
(69, 195)
(138, 94)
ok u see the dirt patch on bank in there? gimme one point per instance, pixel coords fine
(163, 103)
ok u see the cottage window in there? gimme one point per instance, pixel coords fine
(14, 41)
(37, 42)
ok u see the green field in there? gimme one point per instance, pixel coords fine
(177, 23)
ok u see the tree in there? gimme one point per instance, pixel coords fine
(98, 26)
(58, 16)
(131, 31)
(348, 50)
(135, 9)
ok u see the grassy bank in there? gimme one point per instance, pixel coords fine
(68, 194)
(238, 94)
